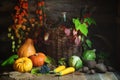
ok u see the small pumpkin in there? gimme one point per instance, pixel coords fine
(27, 49)
(23, 64)
(38, 59)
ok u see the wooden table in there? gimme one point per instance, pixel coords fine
(74, 76)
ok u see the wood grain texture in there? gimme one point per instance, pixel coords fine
(73, 76)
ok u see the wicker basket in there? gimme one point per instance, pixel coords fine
(59, 45)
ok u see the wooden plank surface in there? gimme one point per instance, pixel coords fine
(92, 77)
(79, 76)
(46, 77)
(74, 76)
(108, 76)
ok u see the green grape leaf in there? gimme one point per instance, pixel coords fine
(77, 23)
(81, 26)
(89, 21)
(89, 43)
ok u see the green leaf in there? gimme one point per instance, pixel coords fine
(10, 60)
(77, 23)
(49, 60)
(62, 61)
(90, 21)
(85, 47)
(89, 43)
(81, 26)
(35, 70)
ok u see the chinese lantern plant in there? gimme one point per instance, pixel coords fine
(38, 59)
(23, 25)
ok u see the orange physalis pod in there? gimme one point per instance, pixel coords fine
(25, 5)
(42, 3)
(24, 27)
(40, 17)
(18, 26)
(20, 21)
(17, 8)
(15, 20)
(24, 20)
(22, 13)
(39, 4)
(25, 13)
(16, 16)
(37, 11)
(40, 12)
(32, 20)
(20, 17)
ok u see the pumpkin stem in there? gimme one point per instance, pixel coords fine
(36, 54)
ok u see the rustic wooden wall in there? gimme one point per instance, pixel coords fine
(118, 37)
(72, 7)
(6, 8)
(105, 13)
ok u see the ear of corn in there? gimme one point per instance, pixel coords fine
(59, 68)
(67, 71)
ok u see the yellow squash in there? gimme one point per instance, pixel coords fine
(23, 64)
(59, 68)
(68, 70)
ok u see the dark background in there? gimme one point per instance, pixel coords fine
(106, 14)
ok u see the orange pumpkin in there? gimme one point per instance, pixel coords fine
(27, 49)
(38, 59)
